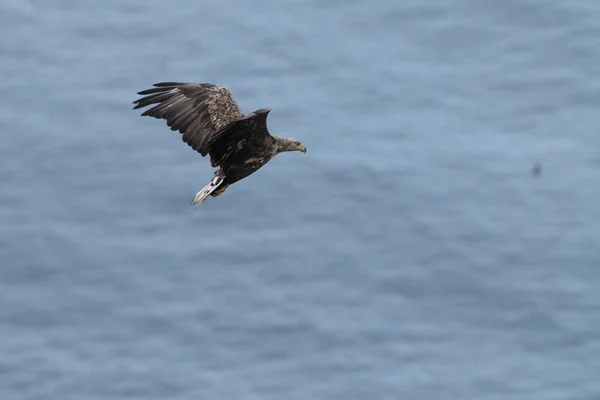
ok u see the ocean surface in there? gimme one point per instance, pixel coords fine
(410, 254)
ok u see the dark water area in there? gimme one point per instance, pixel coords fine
(412, 253)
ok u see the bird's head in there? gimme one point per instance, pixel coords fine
(292, 145)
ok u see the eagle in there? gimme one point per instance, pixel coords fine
(212, 123)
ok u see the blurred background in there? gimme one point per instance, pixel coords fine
(412, 253)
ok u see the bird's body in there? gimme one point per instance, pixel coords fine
(212, 123)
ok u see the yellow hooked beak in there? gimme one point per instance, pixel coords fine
(301, 148)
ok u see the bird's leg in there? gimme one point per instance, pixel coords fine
(219, 190)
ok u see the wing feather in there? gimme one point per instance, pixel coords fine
(199, 111)
(237, 134)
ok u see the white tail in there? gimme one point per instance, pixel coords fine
(207, 190)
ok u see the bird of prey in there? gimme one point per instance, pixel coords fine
(211, 122)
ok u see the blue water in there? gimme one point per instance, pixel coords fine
(410, 254)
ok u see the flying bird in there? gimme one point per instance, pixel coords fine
(537, 169)
(212, 123)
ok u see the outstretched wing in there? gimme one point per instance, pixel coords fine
(199, 111)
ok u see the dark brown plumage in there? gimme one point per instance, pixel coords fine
(212, 123)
